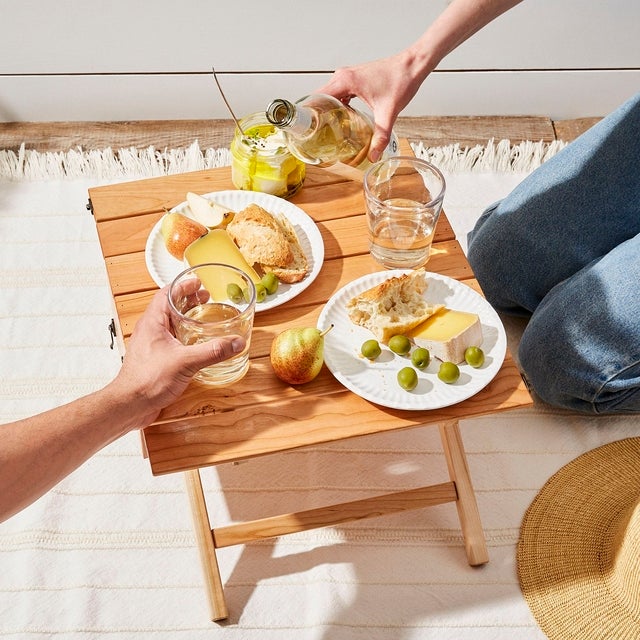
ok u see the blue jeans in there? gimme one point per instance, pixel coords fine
(564, 249)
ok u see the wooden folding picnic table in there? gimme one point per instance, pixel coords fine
(261, 415)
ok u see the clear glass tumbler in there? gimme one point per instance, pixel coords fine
(404, 198)
(209, 301)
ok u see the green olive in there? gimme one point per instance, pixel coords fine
(270, 282)
(234, 292)
(408, 378)
(474, 356)
(400, 345)
(449, 372)
(420, 358)
(261, 292)
(370, 349)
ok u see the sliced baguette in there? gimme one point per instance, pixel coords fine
(260, 237)
(270, 241)
(299, 266)
(393, 307)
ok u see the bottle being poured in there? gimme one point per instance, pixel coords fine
(321, 130)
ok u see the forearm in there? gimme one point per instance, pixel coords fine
(458, 22)
(36, 453)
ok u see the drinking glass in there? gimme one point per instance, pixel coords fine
(404, 198)
(209, 301)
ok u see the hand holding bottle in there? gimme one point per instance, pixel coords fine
(385, 85)
(321, 130)
(389, 84)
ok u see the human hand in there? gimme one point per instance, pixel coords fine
(386, 86)
(157, 367)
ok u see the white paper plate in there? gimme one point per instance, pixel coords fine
(376, 380)
(163, 267)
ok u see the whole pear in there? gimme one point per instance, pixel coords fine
(178, 232)
(297, 354)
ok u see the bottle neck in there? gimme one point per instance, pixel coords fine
(288, 116)
(280, 112)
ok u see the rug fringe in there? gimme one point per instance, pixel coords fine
(502, 156)
(106, 163)
(128, 163)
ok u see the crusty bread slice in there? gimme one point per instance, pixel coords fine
(260, 237)
(394, 306)
(299, 266)
(270, 241)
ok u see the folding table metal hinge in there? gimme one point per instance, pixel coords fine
(90, 206)
(112, 333)
(526, 382)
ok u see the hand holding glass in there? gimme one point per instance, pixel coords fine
(404, 198)
(209, 301)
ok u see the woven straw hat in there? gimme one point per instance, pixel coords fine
(579, 549)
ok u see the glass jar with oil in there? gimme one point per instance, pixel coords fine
(261, 160)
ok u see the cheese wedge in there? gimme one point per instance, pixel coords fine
(448, 333)
(217, 246)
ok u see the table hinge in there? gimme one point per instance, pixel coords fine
(90, 206)
(526, 382)
(112, 332)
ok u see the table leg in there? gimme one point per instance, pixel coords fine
(468, 513)
(206, 546)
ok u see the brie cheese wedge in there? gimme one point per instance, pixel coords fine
(448, 333)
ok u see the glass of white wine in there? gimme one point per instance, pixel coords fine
(404, 198)
(209, 301)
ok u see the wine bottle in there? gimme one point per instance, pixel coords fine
(321, 130)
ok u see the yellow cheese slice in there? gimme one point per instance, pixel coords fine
(448, 333)
(217, 246)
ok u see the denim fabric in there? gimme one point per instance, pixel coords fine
(564, 248)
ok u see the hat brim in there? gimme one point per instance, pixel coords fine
(568, 543)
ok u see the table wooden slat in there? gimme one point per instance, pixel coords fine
(232, 431)
(347, 224)
(155, 195)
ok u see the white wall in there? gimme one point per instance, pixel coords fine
(130, 60)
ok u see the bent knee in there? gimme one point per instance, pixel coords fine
(497, 256)
(563, 374)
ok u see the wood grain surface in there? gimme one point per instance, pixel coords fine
(170, 134)
(260, 414)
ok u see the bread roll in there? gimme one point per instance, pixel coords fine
(259, 237)
(299, 266)
(393, 307)
(270, 241)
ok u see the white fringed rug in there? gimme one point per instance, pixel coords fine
(109, 553)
